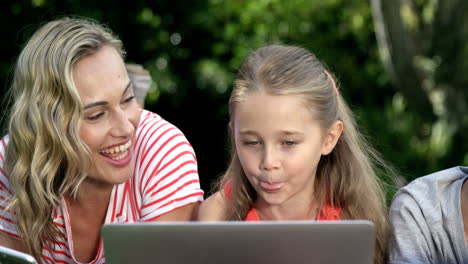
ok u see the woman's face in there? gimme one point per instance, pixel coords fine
(111, 115)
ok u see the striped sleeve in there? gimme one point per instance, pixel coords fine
(7, 220)
(167, 168)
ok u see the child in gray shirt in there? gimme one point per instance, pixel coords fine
(427, 219)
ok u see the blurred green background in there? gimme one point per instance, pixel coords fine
(401, 64)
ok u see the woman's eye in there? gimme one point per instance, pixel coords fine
(95, 117)
(129, 99)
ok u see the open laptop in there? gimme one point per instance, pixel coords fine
(10, 256)
(297, 242)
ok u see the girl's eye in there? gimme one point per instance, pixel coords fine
(289, 143)
(129, 99)
(95, 117)
(251, 143)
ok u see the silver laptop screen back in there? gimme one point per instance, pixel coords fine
(296, 242)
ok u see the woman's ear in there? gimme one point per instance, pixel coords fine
(331, 137)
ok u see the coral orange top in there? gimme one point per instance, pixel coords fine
(327, 212)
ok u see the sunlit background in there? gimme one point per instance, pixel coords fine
(401, 64)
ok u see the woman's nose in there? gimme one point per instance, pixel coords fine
(122, 125)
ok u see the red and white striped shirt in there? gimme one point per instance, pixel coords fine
(165, 178)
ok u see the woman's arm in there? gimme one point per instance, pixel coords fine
(213, 208)
(185, 213)
(12, 243)
(166, 177)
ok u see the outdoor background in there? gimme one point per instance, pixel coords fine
(401, 64)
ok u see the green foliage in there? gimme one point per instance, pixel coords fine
(193, 48)
(426, 40)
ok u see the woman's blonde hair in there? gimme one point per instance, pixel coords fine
(45, 156)
(345, 178)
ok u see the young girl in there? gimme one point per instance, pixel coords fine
(296, 150)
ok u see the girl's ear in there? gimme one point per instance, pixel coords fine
(331, 137)
(231, 132)
(230, 128)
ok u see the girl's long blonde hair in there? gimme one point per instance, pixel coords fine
(346, 178)
(45, 156)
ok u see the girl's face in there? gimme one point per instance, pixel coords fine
(279, 146)
(111, 115)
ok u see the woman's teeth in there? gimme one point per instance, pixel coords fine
(116, 149)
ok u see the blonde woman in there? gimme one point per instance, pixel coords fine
(80, 152)
(296, 151)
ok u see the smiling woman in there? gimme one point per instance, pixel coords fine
(111, 114)
(80, 152)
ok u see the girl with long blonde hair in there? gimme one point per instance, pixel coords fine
(296, 151)
(81, 153)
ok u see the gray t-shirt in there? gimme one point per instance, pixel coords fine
(427, 220)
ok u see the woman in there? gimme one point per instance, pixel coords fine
(80, 152)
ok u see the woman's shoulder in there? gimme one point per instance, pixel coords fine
(148, 117)
(213, 208)
(154, 125)
(3, 147)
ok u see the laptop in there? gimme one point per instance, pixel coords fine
(10, 256)
(278, 242)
